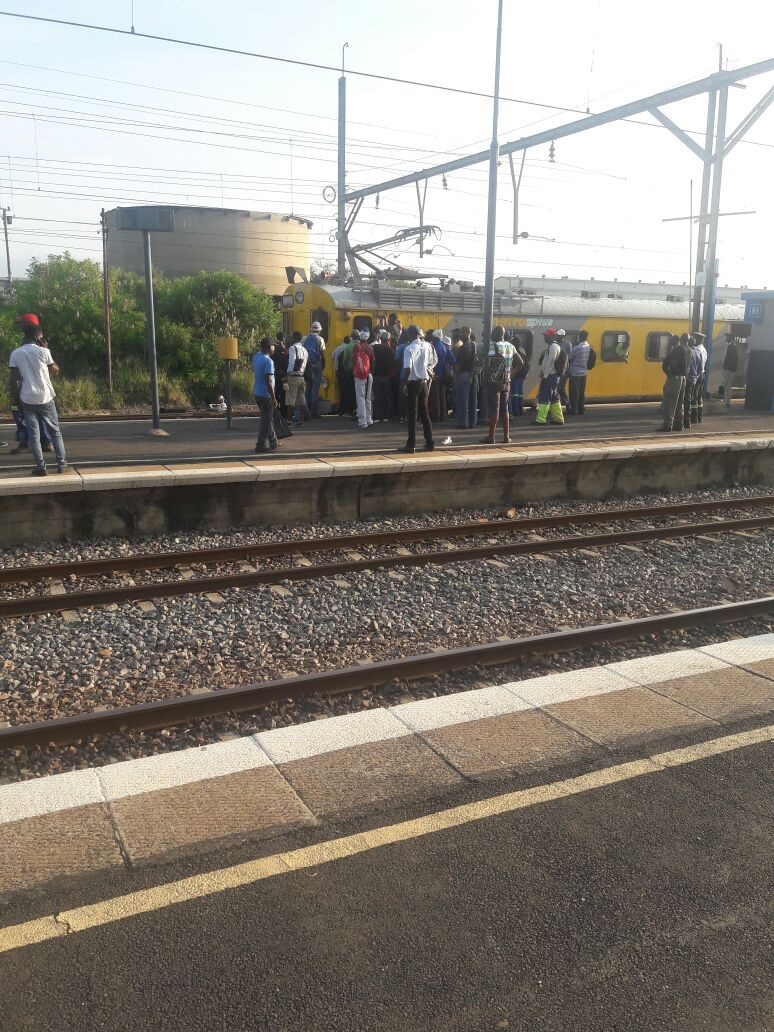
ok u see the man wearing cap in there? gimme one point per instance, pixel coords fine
(295, 389)
(553, 363)
(315, 349)
(675, 367)
(419, 361)
(31, 388)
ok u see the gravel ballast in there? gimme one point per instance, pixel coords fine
(114, 657)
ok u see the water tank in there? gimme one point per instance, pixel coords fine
(254, 244)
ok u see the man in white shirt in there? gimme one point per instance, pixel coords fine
(31, 388)
(419, 361)
(295, 384)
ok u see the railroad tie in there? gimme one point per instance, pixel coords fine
(56, 587)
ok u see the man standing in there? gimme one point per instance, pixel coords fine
(31, 389)
(315, 349)
(445, 359)
(418, 363)
(362, 371)
(498, 371)
(384, 366)
(466, 384)
(553, 363)
(280, 359)
(577, 370)
(263, 370)
(296, 384)
(675, 367)
(566, 345)
(696, 369)
(730, 368)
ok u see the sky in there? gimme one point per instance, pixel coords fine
(91, 119)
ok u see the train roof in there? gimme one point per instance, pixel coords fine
(403, 299)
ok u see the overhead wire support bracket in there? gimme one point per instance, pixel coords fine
(681, 134)
(421, 198)
(516, 186)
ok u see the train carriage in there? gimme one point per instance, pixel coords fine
(630, 337)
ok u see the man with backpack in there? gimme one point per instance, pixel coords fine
(553, 365)
(295, 393)
(501, 364)
(315, 349)
(467, 368)
(362, 371)
(582, 358)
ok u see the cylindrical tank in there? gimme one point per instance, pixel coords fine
(256, 245)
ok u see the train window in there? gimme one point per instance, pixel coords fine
(362, 322)
(615, 346)
(657, 346)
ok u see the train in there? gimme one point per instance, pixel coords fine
(631, 337)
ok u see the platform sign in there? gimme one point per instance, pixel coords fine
(753, 311)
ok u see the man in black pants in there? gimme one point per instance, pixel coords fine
(419, 360)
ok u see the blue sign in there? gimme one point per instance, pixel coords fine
(753, 311)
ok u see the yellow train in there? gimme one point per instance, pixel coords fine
(630, 337)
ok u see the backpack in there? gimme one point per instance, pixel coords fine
(523, 373)
(316, 353)
(361, 367)
(591, 361)
(560, 363)
(498, 371)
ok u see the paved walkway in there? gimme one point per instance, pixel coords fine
(100, 443)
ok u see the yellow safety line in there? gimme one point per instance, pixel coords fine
(211, 882)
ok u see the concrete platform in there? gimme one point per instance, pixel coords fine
(310, 775)
(101, 501)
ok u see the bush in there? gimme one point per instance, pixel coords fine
(242, 383)
(131, 389)
(82, 394)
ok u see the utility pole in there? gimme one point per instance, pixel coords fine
(106, 302)
(7, 220)
(491, 221)
(341, 266)
(156, 430)
(701, 242)
(710, 279)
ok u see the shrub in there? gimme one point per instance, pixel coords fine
(83, 394)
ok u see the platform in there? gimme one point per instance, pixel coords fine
(115, 441)
(315, 774)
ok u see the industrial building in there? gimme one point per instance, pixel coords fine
(256, 245)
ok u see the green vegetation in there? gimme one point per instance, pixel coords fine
(190, 313)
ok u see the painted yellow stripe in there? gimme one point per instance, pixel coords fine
(212, 882)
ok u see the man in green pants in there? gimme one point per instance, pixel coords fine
(675, 367)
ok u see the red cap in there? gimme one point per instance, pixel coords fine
(550, 332)
(28, 319)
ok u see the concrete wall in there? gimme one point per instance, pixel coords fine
(362, 490)
(253, 244)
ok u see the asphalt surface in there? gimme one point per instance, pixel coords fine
(101, 442)
(643, 905)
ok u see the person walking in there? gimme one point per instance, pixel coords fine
(553, 362)
(315, 349)
(675, 368)
(730, 368)
(265, 397)
(580, 354)
(466, 383)
(498, 371)
(419, 360)
(31, 390)
(362, 366)
(521, 367)
(384, 366)
(295, 395)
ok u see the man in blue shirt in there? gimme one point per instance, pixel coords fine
(263, 369)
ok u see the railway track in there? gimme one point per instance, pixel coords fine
(245, 698)
(42, 604)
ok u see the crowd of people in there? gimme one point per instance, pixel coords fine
(392, 373)
(685, 367)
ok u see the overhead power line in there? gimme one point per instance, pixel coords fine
(286, 60)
